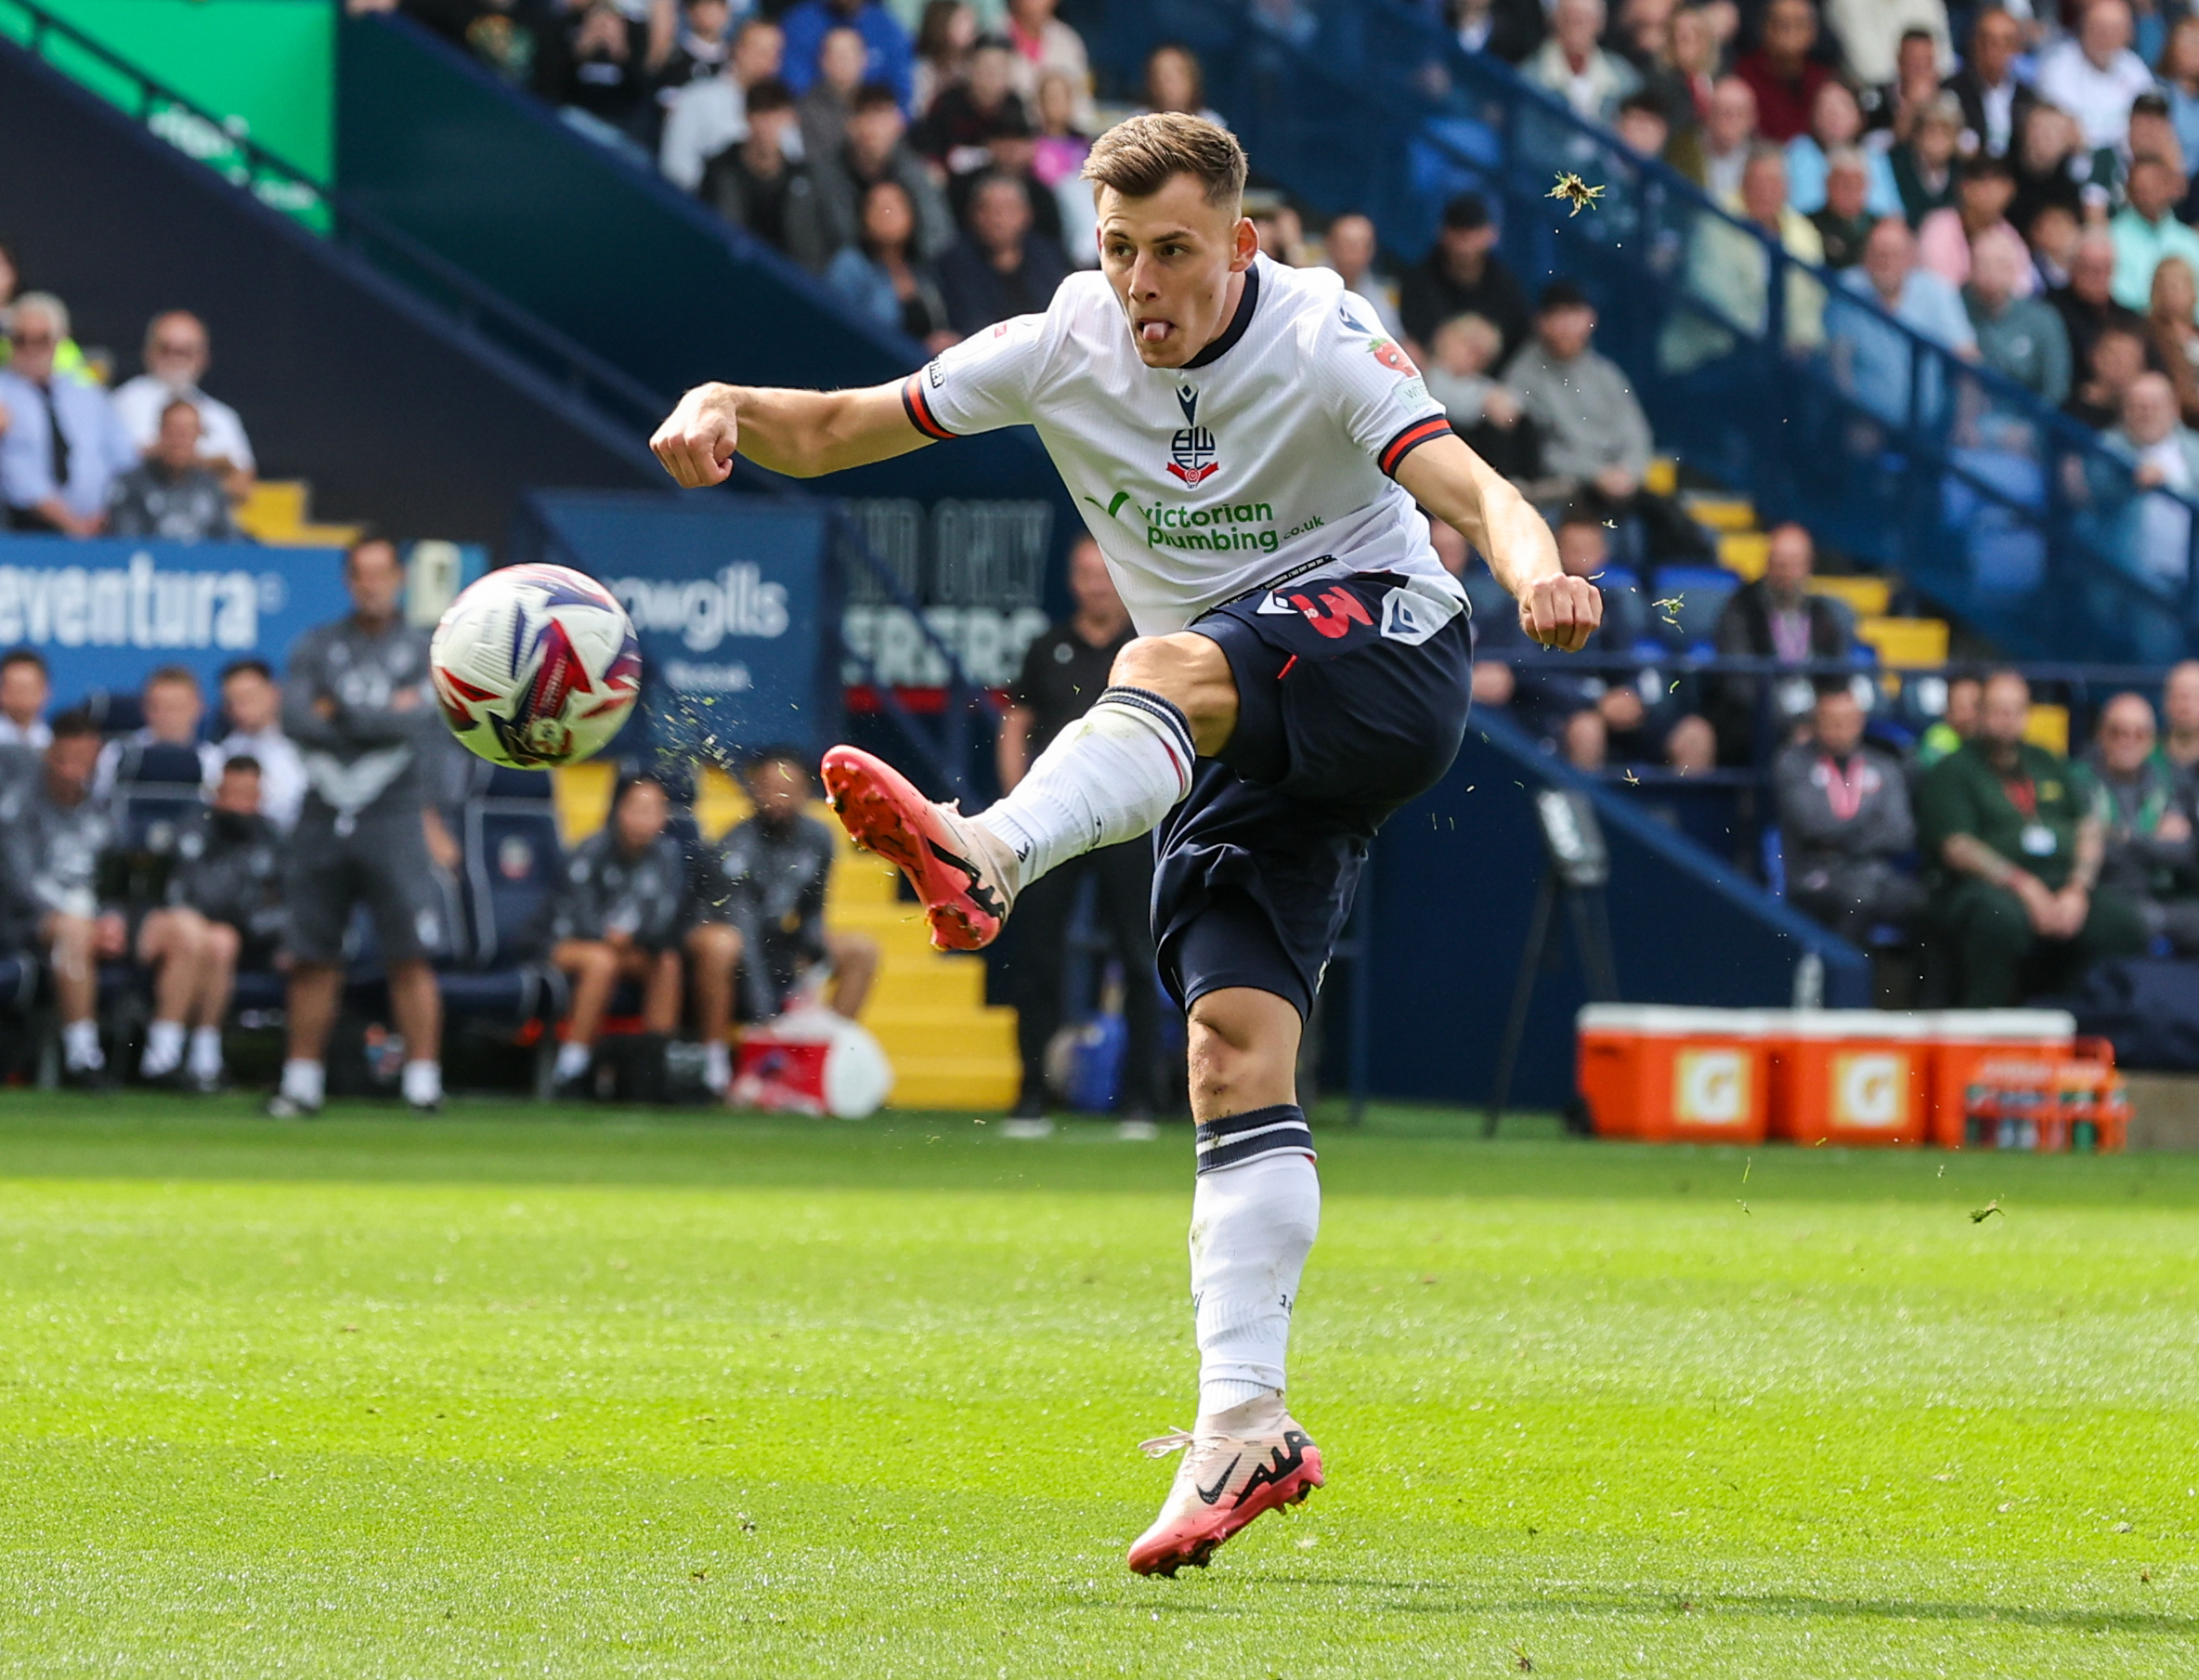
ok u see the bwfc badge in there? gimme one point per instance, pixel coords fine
(1191, 450)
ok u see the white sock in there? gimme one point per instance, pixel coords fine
(163, 1048)
(206, 1052)
(1252, 1225)
(80, 1045)
(423, 1082)
(304, 1082)
(1109, 776)
(717, 1067)
(573, 1059)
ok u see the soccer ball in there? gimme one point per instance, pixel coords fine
(536, 666)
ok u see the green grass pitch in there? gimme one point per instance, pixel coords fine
(509, 1393)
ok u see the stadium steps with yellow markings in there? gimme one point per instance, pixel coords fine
(949, 1048)
(1743, 548)
(278, 512)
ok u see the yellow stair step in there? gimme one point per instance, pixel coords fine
(274, 509)
(1867, 597)
(319, 536)
(2047, 726)
(1744, 553)
(1907, 643)
(1722, 512)
(947, 1082)
(911, 981)
(1663, 476)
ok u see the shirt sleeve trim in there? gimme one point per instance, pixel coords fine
(920, 410)
(1425, 430)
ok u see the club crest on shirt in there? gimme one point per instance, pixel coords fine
(1191, 455)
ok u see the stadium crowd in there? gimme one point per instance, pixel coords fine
(312, 823)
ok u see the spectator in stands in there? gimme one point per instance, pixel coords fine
(891, 56)
(2146, 230)
(707, 117)
(54, 834)
(1844, 223)
(1957, 722)
(1043, 44)
(1461, 377)
(1714, 155)
(957, 133)
(1994, 99)
(1510, 30)
(2053, 236)
(2180, 710)
(1595, 441)
(1775, 617)
(177, 358)
(2175, 301)
(1924, 164)
(2087, 304)
(1352, 253)
(1871, 361)
(2153, 134)
(2094, 75)
(252, 705)
(621, 912)
(755, 185)
(1948, 240)
(2155, 530)
(1280, 230)
(223, 908)
(1572, 66)
(2178, 70)
(759, 897)
(2022, 337)
(875, 150)
(169, 494)
(1844, 820)
(1058, 154)
(2053, 171)
(2118, 358)
(2144, 808)
(1642, 124)
(882, 276)
(1836, 124)
(945, 33)
(62, 446)
(700, 49)
(1174, 81)
(359, 703)
(1781, 71)
(1000, 267)
(1729, 270)
(1462, 274)
(173, 708)
(2013, 858)
(1014, 155)
(25, 688)
(823, 111)
(1868, 32)
(68, 355)
(1602, 718)
(606, 71)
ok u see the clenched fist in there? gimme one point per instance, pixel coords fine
(1558, 612)
(698, 442)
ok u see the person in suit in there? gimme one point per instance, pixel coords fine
(1775, 617)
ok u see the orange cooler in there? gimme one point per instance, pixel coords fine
(1849, 1076)
(1963, 1039)
(1666, 1074)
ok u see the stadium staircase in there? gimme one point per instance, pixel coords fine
(2000, 509)
(950, 1049)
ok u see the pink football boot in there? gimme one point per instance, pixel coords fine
(1223, 1483)
(956, 866)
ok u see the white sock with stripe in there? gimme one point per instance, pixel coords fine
(1252, 1228)
(1110, 776)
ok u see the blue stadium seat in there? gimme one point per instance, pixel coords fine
(1701, 592)
(512, 857)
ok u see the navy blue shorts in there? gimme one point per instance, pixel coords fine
(1347, 709)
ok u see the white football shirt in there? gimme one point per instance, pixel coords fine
(1268, 457)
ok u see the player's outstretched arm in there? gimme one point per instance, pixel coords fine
(802, 434)
(1458, 486)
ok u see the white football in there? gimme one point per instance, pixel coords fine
(536, 666)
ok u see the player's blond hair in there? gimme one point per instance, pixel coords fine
(1140, 155)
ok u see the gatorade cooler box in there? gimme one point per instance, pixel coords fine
(1963, 1039)
(1668, 1075)
(2052, 1104)
(1849, 1076)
